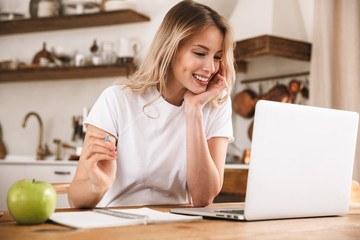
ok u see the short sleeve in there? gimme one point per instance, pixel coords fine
(220, 124)
(104, 113)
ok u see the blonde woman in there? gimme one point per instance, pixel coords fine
(161, 138)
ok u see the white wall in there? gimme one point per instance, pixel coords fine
(285, 18)
(58, 101)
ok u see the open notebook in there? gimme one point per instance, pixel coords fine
(99, 218)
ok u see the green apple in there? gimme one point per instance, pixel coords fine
(31, 202)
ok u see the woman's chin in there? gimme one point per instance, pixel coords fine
(197, 91)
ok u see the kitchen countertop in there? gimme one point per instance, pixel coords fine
(31, 160)
(236, 166)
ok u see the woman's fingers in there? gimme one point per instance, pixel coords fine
(221, 70)
(101, 169)
(96, 142)
(217, 85)
(100, 136)
(92, 149)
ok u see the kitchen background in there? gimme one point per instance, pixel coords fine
(274, 43)
(58, 101)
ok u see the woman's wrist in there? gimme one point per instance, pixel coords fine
(193, 112)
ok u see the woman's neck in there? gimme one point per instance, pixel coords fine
(173, 95)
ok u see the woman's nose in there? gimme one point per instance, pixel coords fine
(209, 66)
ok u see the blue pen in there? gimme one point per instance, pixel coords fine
(107, 138)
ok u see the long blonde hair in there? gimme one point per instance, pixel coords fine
(181, 22)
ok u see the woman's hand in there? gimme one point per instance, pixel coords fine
(98, 158)
(216, 85)
(96, 169)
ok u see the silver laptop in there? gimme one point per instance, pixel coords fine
(301, 164)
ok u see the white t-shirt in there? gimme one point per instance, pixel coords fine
(151, 152)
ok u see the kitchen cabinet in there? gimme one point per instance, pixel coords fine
(234, 184)
(9, 174)
(68, 22)
(267, 45)
(48, 171)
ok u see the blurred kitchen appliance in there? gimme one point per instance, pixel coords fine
(127, 49)
(78, 130)
(107, 52)
(58, 149)
(75, 7)
(95, 56)
(76, 155)
(65, 55)
(9, 16)
(43, 57)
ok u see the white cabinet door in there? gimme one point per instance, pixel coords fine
(52, 174)
(9, 174)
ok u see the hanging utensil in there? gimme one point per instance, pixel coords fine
(305, 89)
(278, 93)
(244, 103)
(294, 88)
(250, 130)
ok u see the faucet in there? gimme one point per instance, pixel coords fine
(41, 152)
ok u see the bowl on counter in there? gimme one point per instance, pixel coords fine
(64, 55)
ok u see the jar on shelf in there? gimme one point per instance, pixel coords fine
(48, 8)
(108, 52)
(95, 56)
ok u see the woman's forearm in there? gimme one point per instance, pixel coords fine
(203, 177)
(82, 194)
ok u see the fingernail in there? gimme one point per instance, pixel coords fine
(107, 138)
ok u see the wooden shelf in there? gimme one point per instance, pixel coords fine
(271, 46)
(70, 22)
(37, 74)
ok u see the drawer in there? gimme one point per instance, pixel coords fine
(50, 174)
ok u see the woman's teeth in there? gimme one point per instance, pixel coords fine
(200, 78)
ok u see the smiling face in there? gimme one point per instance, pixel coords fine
(195, 63)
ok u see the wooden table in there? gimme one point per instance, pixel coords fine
(341, 227)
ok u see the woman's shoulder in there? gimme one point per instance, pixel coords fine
(115, 89)
(123, 92)
(222, 107)
(118, 91)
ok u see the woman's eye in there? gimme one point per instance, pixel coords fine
(200, 54)
(217, 58)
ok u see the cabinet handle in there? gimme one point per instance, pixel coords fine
(62, 172)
